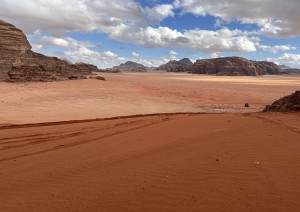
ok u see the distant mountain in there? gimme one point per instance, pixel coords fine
(183, 65)
(130, 66)
(234, 66)
(287, 70)
(283, 67)
(293, 71)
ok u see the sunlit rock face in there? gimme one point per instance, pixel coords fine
(19, 63)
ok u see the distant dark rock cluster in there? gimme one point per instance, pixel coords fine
(183, 65)
(224, 66)
(130, 66)
(19, 63)
(285, 104)
(234, 66)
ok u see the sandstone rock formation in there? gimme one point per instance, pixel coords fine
(183, 65)
(285, 104)
(19, 63)
(86, 68)
(13, 44)
(234, 66)
(130, 66)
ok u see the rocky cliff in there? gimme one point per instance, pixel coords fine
(285, 104)
(19, 63)
(130, 66)
(13, 44)
(234, 66)
(183, 65)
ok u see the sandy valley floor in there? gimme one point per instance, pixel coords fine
(240, 160)
(138, 93)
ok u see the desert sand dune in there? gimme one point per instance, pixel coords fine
(81, 145)
(184, 162)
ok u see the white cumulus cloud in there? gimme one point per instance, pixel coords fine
(277, 48)
(276, 18)
(292, 60)
(134, 54)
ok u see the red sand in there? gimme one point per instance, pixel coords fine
(139, 93)
(205, 162)
(168, 162)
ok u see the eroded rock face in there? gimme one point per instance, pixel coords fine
(234, 66)
(183, 65)
(13, 44)
(19, 63)
(285, 104)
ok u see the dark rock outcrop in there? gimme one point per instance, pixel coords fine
(234, 66)
(130, 66)
(285, 104)
(183, 65)
(86, 68)
(19, 63)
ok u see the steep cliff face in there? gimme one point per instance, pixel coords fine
(19, 63)
(13, 44)
(183, 65)
(234, 66)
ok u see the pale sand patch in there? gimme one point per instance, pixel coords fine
(139, 93)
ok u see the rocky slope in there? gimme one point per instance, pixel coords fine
(183, 65)
(130, 66)
(19, 63)
(234, 66)
(285, 104)
(287, 70)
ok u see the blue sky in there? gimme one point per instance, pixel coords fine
(151, 32)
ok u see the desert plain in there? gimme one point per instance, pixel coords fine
(149, 142)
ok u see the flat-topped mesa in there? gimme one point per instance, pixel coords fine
(234, 66)
(19, 63)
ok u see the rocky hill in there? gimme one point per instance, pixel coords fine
(130, 66)
(19, 63)
(287, 70)
(183, 65)
(234, 66)
(285, 104)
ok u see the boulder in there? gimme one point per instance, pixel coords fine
(99, 78)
